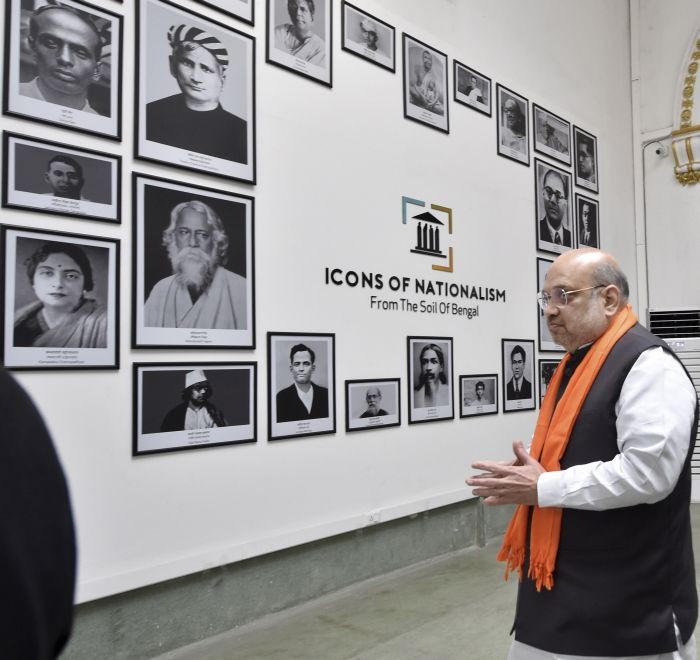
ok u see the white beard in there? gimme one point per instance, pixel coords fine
(192, 267)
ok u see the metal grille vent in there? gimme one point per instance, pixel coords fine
(675, 323)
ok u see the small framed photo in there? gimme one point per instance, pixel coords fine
(425, 84)
(586, 146)
(587, 224)
(82, 92)
(207, 123)
(243, 10)
(546, 370)
(372, 404)
(368, 36)
(181, 406)
(194, 282)
(301, 384)
(553, 208)
(552, 135)
(518, 357)
(300, 37)
(472, 88)
(60, 300)
(49, 177)
(430, 382)
(478, 395)
(544, 337)
(512, 128)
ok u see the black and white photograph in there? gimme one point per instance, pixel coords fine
(195, 101)
(552, 134)
(60, 300)
(63, 65)
(49, 177)
(368, 36)
(546, 343)
(425, 84)
(518, 362)
(587, 222)
(512, 125)
(586, 169)
(546, 370)
(301, 384)
(430, 383)
(300, 37)
(181, 406)
(472, 88)
(478, 395)
(372, 403)
(194, 276)
(243, 10)
(553, 208)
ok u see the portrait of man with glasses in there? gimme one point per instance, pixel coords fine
(553, 193)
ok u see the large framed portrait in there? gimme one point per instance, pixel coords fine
(60, 300)
(425, 84)
(181, 406)
(49, 177)
(372, 403)
(472, 88)
(512, 138)
(478, 395)
(301, 384)
(243, 10)
(586, 169)
(300, 37)
(587, 223)
(553, 208)
(368, 37)
(194, 276)
(518, 356)
(552, 134)
(544, 337)
(195, 92)
(81, 91)
(545, 370)
(430, 382)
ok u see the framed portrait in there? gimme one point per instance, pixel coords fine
(430, 382)
(206, 122)
(425, 84)
(587, 223)
(586, 166)
(552, 134)
(478, 395)
(181, 406)
(300, 37)
(544, 337)
(512, 125)
(48, 177)
(82, 94)
(472, 88)
(518, 357)
(368, 36)
(553, 208)
(546, 370)
(243, 10)
(372, 403)
(194, 276)
(60, 300)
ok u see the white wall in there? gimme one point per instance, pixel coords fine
(332, 167)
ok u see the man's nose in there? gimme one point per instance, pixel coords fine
(64, 55)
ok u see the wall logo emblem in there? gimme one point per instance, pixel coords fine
(433, 231)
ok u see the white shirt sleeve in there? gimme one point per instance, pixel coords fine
(654, 417)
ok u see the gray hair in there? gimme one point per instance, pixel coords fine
(606, 273)
(213, 220)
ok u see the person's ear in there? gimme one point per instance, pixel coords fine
(612, 300)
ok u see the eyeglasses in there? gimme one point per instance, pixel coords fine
(559, 297)
(549, 192)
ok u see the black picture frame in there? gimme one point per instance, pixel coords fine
(96, 84)
(359, 417)
(545, 241)
(586, 161)
(469, 404)
(516, 401)
(512, 141)
(159, 318)
(36, 173)
(356, 25)
(287, 415)
(545, 370)
(49, 323)
(160, 409)
(317, 62)
(420, 410)
(467, 93)
(545, 342)
(223, 142)
(551, 135)
(243, 10)
(588, 235)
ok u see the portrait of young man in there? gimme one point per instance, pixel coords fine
(430, 379)
(587, 222)
(586, 163)
(478, 395)
(518, 374)
(553, 207)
